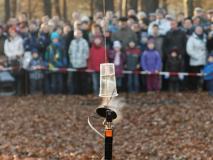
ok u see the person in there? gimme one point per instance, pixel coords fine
(54, 58)
(208, 71)
(210, 39)
(36, 75)
(197, 51)
(97, 57)
(14, 51)
(78, 56)
(151, 63)
(125, 34)
(132, 64)
(96, 32)
(118, 57)
(163, 24)
(174, 64)
(158, 40)
(187, 27)
(2, 40)
(175, 38)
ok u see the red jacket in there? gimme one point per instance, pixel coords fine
(97, 56)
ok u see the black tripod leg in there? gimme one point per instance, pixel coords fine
(108, 144)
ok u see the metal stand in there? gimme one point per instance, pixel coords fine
(109, 116)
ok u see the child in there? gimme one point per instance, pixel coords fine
(208, 71)
(174, 64)
(133, 54)
(117, 57)
(36, 75)
(151, 63)
(97, 56)
(55, 58)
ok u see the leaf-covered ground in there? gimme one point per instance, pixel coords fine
(151, 127)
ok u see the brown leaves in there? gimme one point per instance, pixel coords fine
(153, 127)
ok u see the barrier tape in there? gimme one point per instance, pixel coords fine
(124, 72)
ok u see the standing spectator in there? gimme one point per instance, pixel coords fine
(43, 39)
(187, 27)
(14, 51)
(36, 75)
(78, 56)
(125, 34)
(175, 38)
(54, 58)
(151, 63)
(208, 71)
(196, 49)
(163, 24)
(118, 57)
(158, 40)
(2, 40)
(95, 33)
(132, 64)
(174, 64)
(97, 57)
(210, 39)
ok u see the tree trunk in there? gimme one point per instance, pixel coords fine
(133, 4)
(98, 5)
(47, 7)
(149, 6)
(57, 7)
(7, 9)
(190, 6)
(109, 4)
(14, 8)
(120, 7)
(29, 8)
(65, 9)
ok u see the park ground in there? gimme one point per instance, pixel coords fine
(150, 127)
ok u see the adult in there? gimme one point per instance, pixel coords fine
(124, 34)
(196, 49)
(164, 25)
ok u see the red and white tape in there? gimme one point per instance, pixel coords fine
(124, 72)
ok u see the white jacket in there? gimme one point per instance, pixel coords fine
(163, 24)
(197, 51)
(14, 47)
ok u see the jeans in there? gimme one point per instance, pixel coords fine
(36, 86)
(53, 83)
(96, 82)
(133, 83)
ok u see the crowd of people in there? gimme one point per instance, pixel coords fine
(152, 43)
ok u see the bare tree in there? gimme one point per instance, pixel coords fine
(65, 9)
(149, 5)
(14, 7)
(133, 4)
(109, 4)
(47, 7)
(57, 7)
(7, 9)
(190, 6)
(29, 8)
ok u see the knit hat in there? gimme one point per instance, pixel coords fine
(55, 35)
(117, 44)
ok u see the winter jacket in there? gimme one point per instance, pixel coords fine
(132, 60)
(196, 49)
(175, 39)
(158, 41)
(118, 68)
(97, 56)
(14, 47)
(208, 71)
(54, 56)
(36, 74)
(125, 36)
(78, 53)
(151, 61)
(163, 24)
(174, 64)
(43, 42)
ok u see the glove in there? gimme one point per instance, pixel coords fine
(181, 76)
(166, 75)
(51, 67)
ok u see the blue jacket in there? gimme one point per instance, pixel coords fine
(208, 71)
(151, 61)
